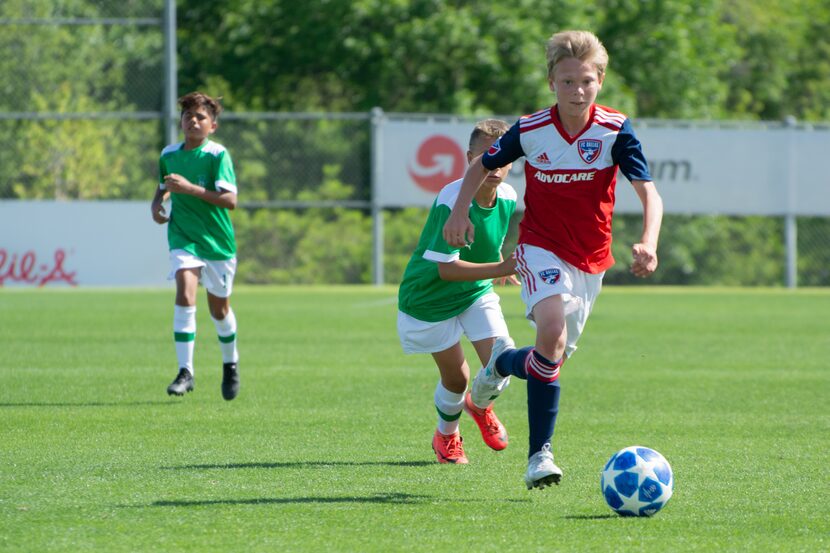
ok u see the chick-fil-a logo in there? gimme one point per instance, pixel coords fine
(438, 161)
(26, 268)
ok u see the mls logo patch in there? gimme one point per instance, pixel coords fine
(589, 149)
(550, 276)
(495, 148)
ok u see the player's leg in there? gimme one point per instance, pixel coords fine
(184, 328)
(441, 340)
(546, 283)
(543, 390)
(218, 280)
(224, 319)
(483, 322)
(449, 394)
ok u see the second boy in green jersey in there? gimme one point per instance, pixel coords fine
(448, 291)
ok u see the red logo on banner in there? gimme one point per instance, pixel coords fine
(439, 161)
(25, 268)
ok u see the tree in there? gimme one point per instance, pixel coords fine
(69, 69)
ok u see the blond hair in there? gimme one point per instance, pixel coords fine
(582, 45)
(488, 129)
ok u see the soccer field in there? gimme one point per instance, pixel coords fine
(327, 447)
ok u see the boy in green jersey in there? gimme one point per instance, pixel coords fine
(198, 174)
(447, 292)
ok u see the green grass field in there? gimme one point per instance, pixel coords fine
(327, 448)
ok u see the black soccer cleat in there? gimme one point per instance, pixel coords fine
(230, 381)
(183, 383)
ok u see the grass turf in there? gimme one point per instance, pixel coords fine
(328, 445)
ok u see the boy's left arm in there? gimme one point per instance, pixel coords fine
(460, 270)
(644, 253)
(180, 185)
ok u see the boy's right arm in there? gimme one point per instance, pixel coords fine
(458, 230)
(157, 208)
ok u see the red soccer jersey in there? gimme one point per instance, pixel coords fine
(569, 198)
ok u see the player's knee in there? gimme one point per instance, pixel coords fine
(551, 340)
(552, 332)
(219, 312)
(456, 384)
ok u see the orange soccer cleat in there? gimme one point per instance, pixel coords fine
(449, 449)
(492, 430)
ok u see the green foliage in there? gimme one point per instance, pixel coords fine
(705, 250)
(311, 246)
(401, 230)
(669, 58)
(85, 159)
(813, 269)
(784, 66)
(65, 69)
(287, 159)
(407, 56)
(671, 54)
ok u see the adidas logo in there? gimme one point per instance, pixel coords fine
(542, 158)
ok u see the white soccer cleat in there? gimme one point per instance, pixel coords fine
(488, 384)
(541, 470)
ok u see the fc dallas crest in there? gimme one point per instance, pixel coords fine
(589, 149)
(550, 276)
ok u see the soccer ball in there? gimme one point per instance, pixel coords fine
(637, 481)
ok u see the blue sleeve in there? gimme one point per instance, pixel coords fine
(507, 149)
(627, 152)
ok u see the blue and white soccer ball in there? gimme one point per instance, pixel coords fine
(637, 481)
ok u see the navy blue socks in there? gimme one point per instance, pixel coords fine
(543, 390)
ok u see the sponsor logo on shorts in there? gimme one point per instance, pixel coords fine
(550, 276)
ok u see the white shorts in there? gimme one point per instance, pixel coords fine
(215, 276)
(544, 275)
(483, 319)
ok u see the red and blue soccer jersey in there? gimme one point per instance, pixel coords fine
(569, 198)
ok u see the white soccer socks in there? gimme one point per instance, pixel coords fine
(449, 406)
(184, 334)
(226, 330)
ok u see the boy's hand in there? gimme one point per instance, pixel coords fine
(645, 259)
(159, 213)
(459, 230)
(177, 183)
(503, 281)
(508, 266)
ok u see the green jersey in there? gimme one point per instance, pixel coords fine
(197, 226)
(423, 295)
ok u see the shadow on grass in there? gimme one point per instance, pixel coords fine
(83, 403)
(304, 464)
(383, 498)
(590, 517)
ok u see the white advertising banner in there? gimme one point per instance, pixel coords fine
(81, 243)
(697, 170)
(420, 157)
